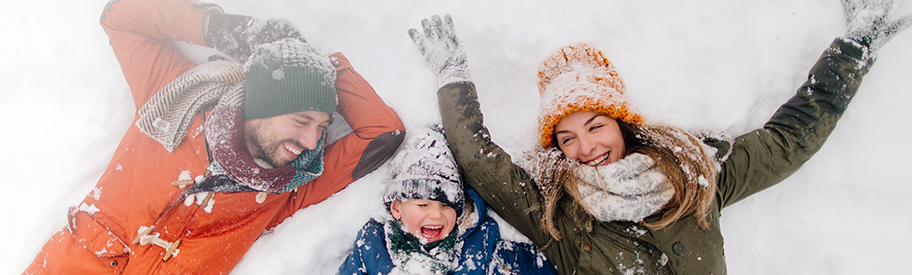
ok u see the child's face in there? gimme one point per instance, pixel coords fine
(427, 219)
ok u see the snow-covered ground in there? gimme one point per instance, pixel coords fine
(717, 63)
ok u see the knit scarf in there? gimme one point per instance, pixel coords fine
(630, 189)
(167, 115)
(410, 256)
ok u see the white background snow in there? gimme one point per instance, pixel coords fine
(717, 63)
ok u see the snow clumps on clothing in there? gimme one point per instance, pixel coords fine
(576, 78)
(424, 168)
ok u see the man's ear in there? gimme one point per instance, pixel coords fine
(394, 209)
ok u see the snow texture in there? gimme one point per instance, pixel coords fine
(724, 64)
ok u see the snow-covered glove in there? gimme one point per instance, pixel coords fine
(239, 35)
(442, 50)
(868, 21)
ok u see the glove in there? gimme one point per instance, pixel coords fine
(442, 50)
(867, 21)
(239, 35)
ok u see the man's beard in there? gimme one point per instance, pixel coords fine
(257, 146)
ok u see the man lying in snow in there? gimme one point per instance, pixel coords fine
(436, 228)
(221, 151)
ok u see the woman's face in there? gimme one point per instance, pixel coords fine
(589, 137)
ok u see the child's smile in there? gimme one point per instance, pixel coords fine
(431, 232)
(428, 220)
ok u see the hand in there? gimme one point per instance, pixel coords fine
(239, 35)
(442, 50)
(867, 21)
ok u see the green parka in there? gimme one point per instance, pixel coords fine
(758, 160)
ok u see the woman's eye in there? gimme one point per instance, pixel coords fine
(565, 140)
(594, 127)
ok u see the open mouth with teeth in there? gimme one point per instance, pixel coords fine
(292, 150)
(431, 232)
(601, 160)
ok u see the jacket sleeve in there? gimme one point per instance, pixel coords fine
(140, 33)
(354, 263)
(766, 156)
(505, 187)
(377, 133)
(369, 254)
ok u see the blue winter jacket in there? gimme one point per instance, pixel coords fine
(483, 251)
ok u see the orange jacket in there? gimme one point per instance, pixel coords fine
(135, 191)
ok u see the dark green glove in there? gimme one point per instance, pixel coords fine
(239, 35)
(868, 24)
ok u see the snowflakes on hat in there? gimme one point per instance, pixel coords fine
(290, 52)
(577, 78)
(424, 168)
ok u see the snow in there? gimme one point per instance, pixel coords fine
(719, 64)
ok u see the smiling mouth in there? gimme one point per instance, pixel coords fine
(292, 150)
(601, 160)
(431, 232)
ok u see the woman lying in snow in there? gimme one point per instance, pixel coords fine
(609, 191)
(436, 228)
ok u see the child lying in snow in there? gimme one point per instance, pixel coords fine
(437, 226)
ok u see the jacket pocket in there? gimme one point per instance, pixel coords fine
(94, 236)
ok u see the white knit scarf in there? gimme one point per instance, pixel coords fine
(628, 190)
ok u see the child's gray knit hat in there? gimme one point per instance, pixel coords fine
(424, 168)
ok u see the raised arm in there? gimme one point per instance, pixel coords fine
(377, 132)
(800, 127)
(140, 33)
(505, 187)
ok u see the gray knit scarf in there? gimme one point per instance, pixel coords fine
(167, 115)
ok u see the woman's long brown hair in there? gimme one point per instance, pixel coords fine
(691, 171)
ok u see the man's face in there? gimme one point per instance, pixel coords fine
(426, 219)
(280, 139)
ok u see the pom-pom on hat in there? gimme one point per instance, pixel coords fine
(424, 168)
(576, 78)
(288, 76)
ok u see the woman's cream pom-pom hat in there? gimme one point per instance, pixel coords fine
(576, 78)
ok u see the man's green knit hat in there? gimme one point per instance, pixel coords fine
(288, 76)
